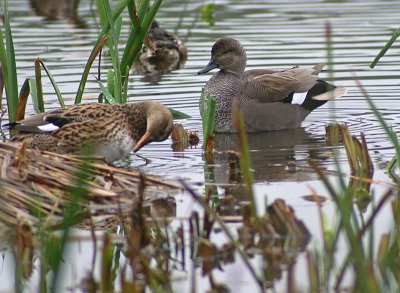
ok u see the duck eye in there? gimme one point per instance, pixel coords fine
(161, 132)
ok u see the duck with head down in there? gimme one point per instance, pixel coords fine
(269, 99)
(110, 131)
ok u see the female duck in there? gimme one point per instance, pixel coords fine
(107, 130)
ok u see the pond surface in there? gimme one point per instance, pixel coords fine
(276, 34)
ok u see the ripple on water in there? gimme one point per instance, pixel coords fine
(276, 35)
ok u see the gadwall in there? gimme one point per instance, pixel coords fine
(168, 51)
(106, 130)
(267, 98)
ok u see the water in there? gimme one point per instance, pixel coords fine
(275, 35)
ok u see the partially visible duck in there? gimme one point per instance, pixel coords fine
(110, 131)
(169, 52)
(268, 99)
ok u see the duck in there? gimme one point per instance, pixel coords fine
(165, 53)
(270, 100)
(111, 131)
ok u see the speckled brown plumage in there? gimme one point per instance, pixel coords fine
(107, 130)
(265, 96)
(169, 52)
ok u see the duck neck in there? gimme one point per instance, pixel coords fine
(137, 116)
(236, 68)
(235, 73)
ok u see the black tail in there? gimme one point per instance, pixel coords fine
(309, 103)
(318, 89)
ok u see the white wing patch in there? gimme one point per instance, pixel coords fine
(298, 98)
(48, 127)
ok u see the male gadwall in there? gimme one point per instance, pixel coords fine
(267, 98)
(110, 131)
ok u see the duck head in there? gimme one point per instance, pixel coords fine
(159, 124)
(228, 55)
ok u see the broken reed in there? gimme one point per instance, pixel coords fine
(391, 134)
(361, 249)
(326, 271)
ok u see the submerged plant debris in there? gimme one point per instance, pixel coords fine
(183, 138)
(36, 184)
(36, 195)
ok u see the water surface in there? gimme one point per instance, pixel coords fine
(275, 35)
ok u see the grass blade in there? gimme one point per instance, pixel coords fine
(389, 43)
(106, 93)
(110, 83)
(125, 90)
(133, 15)
(97, 47)
(11, 77)
(32, 87)
(208, 113)
(245, 160)
(135, 39)
(389, 132)
(143, 6)
(96, 50)
(178, 114)
(39, 88)
(54, 84)
(112, 43)
(23, 98)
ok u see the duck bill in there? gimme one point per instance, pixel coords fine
(210, 66)
(145, 139)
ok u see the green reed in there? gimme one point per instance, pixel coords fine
(8, 64)
(245, 160)
(116, 90)
(72, 215)
(208, 108)
(387, 46)
(141, 18)
(33, 86)
(53, 82)
(16, 103)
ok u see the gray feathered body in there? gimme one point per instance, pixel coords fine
(264, 96)
(224, 86)
(259, 117)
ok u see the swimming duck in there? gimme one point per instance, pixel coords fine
(169, 52)
(268, 98)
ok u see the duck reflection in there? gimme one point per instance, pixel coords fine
(275, 156)
(55, 9)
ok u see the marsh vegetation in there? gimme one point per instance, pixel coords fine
(302, 210)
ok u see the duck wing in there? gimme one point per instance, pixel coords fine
(74, 136)
(268, 86)
(77, 113)
(55, 119)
